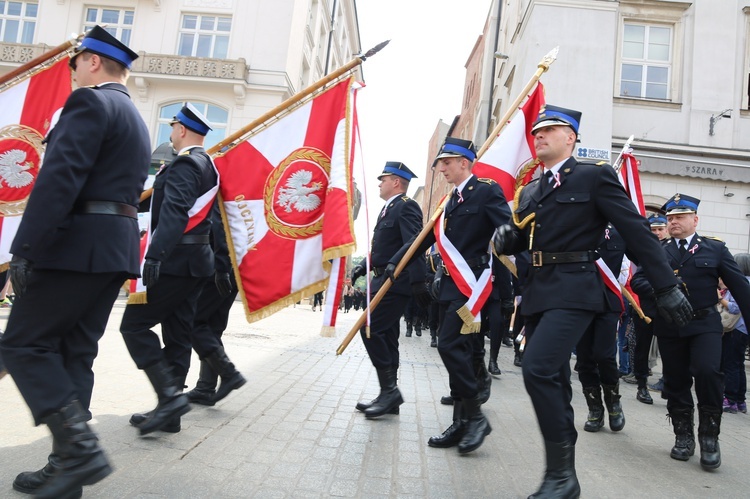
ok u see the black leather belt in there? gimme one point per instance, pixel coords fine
(704, 312)
(195, 239)
(539, 258)
(473, 263)
(106, 208)
(378, 271)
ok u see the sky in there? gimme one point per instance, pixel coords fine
(411, 84)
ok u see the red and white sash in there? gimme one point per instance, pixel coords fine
(476, 290)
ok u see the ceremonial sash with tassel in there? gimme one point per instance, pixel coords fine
(476, 290)
(197, 213)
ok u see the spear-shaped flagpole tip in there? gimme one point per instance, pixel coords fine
(548, 59)
(374, 50)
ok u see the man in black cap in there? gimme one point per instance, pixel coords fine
(694, 350)
(475, 207)
(399, 221)
(560, 219)
(178, 261)
(79, 231)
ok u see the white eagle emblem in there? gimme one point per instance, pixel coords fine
(13, 166)
(296, 195)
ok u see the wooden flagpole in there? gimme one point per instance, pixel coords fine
(52, 53)
(542, 67)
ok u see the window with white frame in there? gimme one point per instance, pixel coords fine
(646, 63)
(204, 35)
(117, 22)
(217, 117)
(18, 21)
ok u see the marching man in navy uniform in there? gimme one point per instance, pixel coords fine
(560, 219)
(694, 350)
(79, 232)
(178, 261)
(399, 221)
(475, 208)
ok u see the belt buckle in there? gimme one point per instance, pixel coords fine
(536, 258)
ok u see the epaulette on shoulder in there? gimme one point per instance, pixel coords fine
(591, 163)
(714, 238)
(486, 180)
(405, 198)
(600, 163)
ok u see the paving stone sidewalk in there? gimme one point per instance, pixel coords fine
(293, 432)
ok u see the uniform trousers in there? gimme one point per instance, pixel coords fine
(643, 336)
(458, 351)
(697, 356)
(212, 315)
(733, 345)
(172, 302)
(550, 338)
(385, 326)
(52, 336)
(596, 352)
(492, 316)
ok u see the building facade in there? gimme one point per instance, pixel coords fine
(673, 74)
(233, 59)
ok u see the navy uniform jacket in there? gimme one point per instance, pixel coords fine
(700, 270)
(176, 189)
(401, 222)
(572, 217)
(469, 225)
(99, 151)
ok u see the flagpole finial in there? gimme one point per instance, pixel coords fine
(377, 48)
(548, 59)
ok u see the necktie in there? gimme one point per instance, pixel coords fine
(546, 181)
(683, 247)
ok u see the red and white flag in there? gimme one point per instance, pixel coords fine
(287, 196)
(631, 180)
(28, 110)
(514, 148)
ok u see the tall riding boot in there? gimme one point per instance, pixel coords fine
(595, 419)
(560, 480)
(477, 426)
(455, 432)
(231, 379)
(684, 438)
(709, 424)
(205, 388)
(29, 482)
(82, 461)
(174, 425)
(614, 407)
(484, 381)
(390, 396)
(408, 329)
(172, 403)
(433, 338)
(492, 367)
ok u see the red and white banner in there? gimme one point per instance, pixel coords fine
(631, 180)
(514, 148)
(287, 196)
(28, 110)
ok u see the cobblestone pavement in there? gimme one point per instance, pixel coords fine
(292, 430)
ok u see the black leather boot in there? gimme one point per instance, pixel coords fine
(517, 359)
(433, 338)
(455, 432)
(560, 480)
(29, 482)
(231, 378)
(642, 395)
(595, 419)
(484, 381)
(492, 367)
(390, 396)
(172, 403)
(614, 406)
(477, 426)
(684, 438)
(446, 400)
(82, 461)
(709, 424)
(205, 388)
(174, 425)
(363, 405)
(408, 329)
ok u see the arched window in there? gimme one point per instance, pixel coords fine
(216, 116)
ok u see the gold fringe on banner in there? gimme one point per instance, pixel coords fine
(328, 332)
(469, 326)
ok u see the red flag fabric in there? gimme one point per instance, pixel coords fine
(514, 148)
(287, 196)
(631, 180)
(29, 110)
